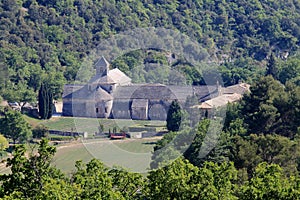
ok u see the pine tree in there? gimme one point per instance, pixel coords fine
(174, 116)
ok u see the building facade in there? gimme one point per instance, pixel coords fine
(111, 94)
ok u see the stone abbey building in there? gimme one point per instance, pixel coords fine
(111, 94)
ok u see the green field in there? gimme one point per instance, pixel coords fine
(134, 155)
(91, 125)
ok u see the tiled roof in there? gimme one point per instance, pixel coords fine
(220, 101)
(153, 91)
(241, 88)
(118, 76)
(204, 105)
(114, 76)
(159, 91)
(125, 92)
(69, 89)
(101, 94)
(102, 80)
(84, 94)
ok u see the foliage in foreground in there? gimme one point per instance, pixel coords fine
(15, 127)
(33, 177)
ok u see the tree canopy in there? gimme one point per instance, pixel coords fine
(272, 107)
(174, 116)
(33, 177)
(15, 127)
(49, 39)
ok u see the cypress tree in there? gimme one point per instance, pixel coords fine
(174, 116)
(50, 103)
(45, 102)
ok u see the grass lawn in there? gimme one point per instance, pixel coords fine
(90, 125)
(66, 156)
(32, 121)
(131, 154)
(137, 146)
(134, 155)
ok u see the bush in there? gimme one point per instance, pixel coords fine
(60, 138)
(40, 131)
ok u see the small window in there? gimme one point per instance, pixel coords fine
(106, 109)
(97, 110)
(89, 87)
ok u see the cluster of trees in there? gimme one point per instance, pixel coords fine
(33, 177)
(263, 127)
(17, 130)
(152, 66)
(13, 126)
(47, 40)
(272, 107)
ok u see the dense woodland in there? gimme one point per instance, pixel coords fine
(253, 154)
(46, 41)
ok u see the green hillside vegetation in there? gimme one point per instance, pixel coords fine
(254, 154)
(46, 41)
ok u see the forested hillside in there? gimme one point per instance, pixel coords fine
(254, 154)
(45, 40)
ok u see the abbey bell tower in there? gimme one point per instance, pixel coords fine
(102, 67)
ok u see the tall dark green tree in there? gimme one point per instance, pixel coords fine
(45, 102)
(259, 108)
(174, 116)
(50, 104)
